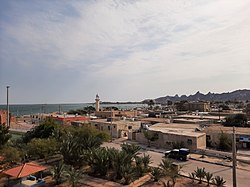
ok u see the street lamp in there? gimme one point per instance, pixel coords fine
(8, 109)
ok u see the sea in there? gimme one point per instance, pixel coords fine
(27, 109)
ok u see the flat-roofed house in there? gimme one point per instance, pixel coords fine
(116, 127)
(168, 134)
(242, 135)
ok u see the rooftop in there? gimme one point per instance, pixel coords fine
(115, 122)
(229, 130)
(157, 120)
(177, 129)
(201, 117)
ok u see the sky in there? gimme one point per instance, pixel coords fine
(61, 51)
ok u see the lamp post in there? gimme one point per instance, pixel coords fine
(8, 109)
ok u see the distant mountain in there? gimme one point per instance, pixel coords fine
(241, 95)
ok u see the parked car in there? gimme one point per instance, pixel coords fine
(179, 154)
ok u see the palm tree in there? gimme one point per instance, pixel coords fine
(170, 170)
(73, 176)
(157, 173)
(200, 174)
(58, 172)
(192, 176)
(71, 151)
(146, 160)
(99, 160)
(139, 166)
(131, 149)
(119, 160)
(208, 177)
(166, 165)
(219, 181)
(128, 173)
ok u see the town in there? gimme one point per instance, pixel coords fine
(133, 93)
(204, 129)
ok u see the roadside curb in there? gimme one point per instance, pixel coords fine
(220, 164)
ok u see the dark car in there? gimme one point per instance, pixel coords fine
(179, 154)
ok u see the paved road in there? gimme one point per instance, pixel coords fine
(243, 176)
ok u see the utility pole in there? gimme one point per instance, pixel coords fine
(111, 123)
(234, 158)
(8, 108)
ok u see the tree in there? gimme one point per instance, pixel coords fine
(208, 177)
(146, 160)
(224, 107)
(58, 172)
(99, 160)
(237, 120)
(42, 148)
(170, 170)
(73, 176)
(157, 173)
(178, 145)
(219, 181)
(71, 150)
(75, 141)
(11, 154)
(151, 103)
(44, 130)
(131, 149)
(200, 174)
(192, 176)
(150, 136)
(89, 109)
(4, 135)
(225, 142)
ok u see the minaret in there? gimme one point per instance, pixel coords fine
(97, 103)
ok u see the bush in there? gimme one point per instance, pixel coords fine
(237, 120)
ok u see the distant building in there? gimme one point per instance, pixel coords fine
(3, 116)
(66, 119)
(200, 106)
(116, 127)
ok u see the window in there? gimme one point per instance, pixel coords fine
(189, 142)
(108, 127)
(129, 127)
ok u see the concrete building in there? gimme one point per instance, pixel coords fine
(200, 106)
(66, 119)
(242, 135)
(168, 134)
(116, 113)
(3, 116)
(117, 128)
(209, 118)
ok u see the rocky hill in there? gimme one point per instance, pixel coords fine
(240, 95)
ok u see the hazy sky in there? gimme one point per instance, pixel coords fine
(61, 51)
